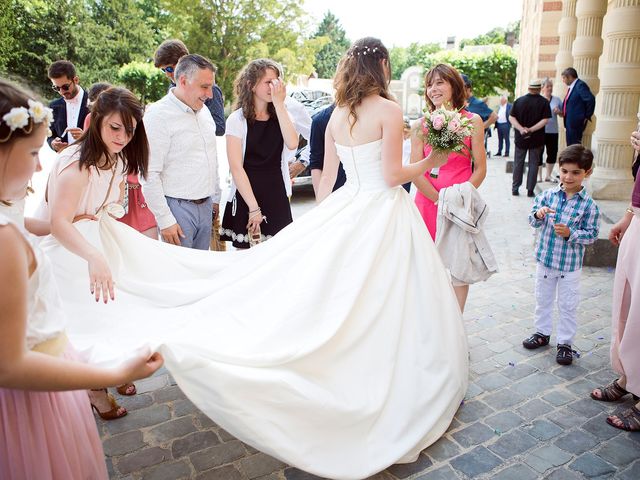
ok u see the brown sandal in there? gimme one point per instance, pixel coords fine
(127, 389)
(113, 413)
(611, 393)
(630, 419)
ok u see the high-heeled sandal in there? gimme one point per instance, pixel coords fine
(125, 389)
(113, 413)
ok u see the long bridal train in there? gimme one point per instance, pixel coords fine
(337, 346)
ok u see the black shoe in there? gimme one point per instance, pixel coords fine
(536, 340)
(531, 193)
(507, 154)
(565, 354)
(515, 193)
(497, 154)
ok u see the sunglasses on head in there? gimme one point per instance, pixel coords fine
(168, 69)
(64, 87)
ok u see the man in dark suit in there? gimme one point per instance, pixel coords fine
(503, 126)
(70, 110)
(319, 124)
(578, 106)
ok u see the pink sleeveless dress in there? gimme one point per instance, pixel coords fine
(456, 170)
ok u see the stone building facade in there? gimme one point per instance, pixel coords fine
(601, 40)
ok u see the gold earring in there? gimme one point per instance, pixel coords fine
(30, 189)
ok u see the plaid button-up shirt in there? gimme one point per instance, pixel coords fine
(580, 213)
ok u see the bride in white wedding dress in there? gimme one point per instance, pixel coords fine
(362, 364)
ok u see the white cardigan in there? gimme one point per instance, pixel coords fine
(237, 127)
(460, 240)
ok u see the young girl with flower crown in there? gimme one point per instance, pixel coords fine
(47, 430)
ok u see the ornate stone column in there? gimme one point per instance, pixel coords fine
(564, 59)
(587, 48)
(618, 101)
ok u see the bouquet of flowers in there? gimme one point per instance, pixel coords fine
(445, 131)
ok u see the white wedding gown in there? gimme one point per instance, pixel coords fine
(337, 346)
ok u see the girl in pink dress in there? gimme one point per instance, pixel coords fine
(47, 430)
(444, 86)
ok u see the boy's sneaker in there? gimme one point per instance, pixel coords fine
(536, 340)
(565, 354)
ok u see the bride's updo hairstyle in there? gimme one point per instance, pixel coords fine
(453, 78)
(361, 73)
(246, 80)
(93, 151)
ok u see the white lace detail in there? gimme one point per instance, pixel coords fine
(241, 237)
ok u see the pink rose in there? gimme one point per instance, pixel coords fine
(454, 125)
(437, 121)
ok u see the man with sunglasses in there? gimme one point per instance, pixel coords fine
(70, 110)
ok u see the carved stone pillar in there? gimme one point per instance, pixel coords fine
(564, 59)
(587, 48)
(618, 101)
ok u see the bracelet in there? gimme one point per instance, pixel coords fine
(254, 211)
(630, 210)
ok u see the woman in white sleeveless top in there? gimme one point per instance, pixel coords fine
(47, 430)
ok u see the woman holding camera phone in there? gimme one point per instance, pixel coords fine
(259, 134)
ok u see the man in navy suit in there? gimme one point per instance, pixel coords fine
(70, 110)
(578, 106)
(503, 126)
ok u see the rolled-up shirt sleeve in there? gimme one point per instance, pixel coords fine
(159, 144)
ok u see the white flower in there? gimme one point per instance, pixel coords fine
(39, 112)
(18, 117)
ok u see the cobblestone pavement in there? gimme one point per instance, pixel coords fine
(524, 416)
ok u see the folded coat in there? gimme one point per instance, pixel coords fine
(460, 239)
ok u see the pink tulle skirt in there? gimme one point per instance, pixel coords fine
(49, 435)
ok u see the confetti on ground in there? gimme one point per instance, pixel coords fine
(497, 432)
(512, 364)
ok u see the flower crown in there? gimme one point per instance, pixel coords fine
(25, 119)
(373, 52)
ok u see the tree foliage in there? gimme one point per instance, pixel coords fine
(496, 36)
(335, 45)
(232, 32)
(489, 72)
(145, 80)
(405, 57)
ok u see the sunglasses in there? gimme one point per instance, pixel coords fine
(168, 69)
(64, 87)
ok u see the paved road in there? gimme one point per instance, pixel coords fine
(524, 416)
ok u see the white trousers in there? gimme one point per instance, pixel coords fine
(551, 283)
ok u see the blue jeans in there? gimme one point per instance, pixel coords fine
(503, 137)
(195, 221)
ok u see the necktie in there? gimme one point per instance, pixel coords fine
(564, 104)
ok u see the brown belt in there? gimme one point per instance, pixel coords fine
(198, 201)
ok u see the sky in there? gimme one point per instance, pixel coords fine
(401, 22)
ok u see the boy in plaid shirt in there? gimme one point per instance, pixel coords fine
(568, 219)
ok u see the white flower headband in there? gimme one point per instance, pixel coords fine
(358, 50)
(19, 117)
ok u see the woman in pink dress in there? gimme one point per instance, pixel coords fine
(47, 431)
(444, 86)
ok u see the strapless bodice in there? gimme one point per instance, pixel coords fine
(363, 166)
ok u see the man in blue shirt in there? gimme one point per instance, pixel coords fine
(316, 144)
(477, 106)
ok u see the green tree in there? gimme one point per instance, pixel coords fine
(489, 72)
(142, 78)
(405, 57)
(228, 31)
(337, 43)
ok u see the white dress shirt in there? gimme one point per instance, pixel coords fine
(502, 114)
(73, 112)
(183, 162)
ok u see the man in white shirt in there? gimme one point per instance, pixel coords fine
(70, 110)
(182, 186)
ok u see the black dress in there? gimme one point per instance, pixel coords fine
(262, 162)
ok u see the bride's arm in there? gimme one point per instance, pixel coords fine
(330, 167)
(417, 153)
(392, 169)
(71, 183)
